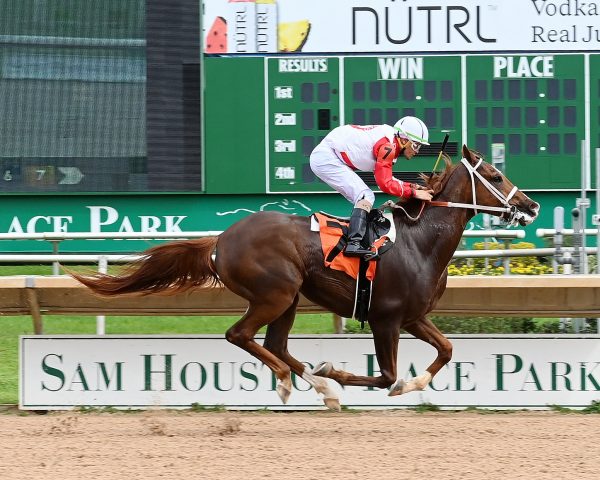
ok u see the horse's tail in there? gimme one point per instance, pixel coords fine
(172, 267)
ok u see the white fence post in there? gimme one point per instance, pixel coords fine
(55, 264)
(101, 319)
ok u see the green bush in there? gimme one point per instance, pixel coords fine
(495, 266)
(450, 325)
(471, 325)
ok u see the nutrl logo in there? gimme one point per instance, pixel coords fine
(398, 24)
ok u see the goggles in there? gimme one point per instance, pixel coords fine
(416, 146)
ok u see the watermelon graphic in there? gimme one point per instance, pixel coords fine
(216, 39)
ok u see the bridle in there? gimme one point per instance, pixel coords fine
(512, 214)
(507, 208)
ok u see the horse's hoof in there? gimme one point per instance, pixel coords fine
(322, 369)
(398, 388)
(283, 391)
(332, 404)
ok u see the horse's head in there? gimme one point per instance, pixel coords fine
(495, 191)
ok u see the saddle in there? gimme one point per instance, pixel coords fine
(380, 237)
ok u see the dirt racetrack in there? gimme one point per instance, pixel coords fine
(310, 445)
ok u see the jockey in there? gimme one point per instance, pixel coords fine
(373, 148)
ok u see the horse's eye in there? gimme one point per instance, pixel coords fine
(497, 179)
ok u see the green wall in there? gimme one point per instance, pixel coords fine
(234, 126)
(37, 214)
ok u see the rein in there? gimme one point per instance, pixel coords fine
(390, 204)
(437, 203)
(507, 208)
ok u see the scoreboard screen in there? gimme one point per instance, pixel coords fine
(535, 106)
(594, 116)
(303, 105)
(532, 106)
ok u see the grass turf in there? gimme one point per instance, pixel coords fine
(13, 326)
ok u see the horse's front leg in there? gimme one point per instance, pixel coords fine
(385, 337)
(425, 330)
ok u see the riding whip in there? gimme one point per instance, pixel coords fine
(444, 143)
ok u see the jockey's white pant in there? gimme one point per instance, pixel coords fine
(334, 172)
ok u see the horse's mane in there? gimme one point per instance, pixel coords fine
(436, 182)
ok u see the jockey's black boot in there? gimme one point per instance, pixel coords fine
(356, 232)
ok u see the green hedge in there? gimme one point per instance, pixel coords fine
(495, 266)
(453, 325)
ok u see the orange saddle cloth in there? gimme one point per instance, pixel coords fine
(331, 231)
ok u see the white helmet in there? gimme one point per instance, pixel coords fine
(413, 129)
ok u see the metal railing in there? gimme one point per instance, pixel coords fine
(575, 256)
(55, 238)
(103, 259)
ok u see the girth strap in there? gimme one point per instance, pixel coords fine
(335, 251)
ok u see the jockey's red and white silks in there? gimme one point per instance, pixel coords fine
(355, 147)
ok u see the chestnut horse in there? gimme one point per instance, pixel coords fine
(270, 258)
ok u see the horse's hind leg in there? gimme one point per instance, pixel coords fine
(424, 329)
(242, 334)
(276, 341)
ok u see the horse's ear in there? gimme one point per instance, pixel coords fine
(468, 155)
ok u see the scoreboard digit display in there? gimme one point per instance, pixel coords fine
(535, 106)
(303, 104)
(384, 89)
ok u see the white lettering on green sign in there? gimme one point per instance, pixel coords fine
(101, 219)
(399, 68)
(523, 67)
(296, 65)
(101, 216)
